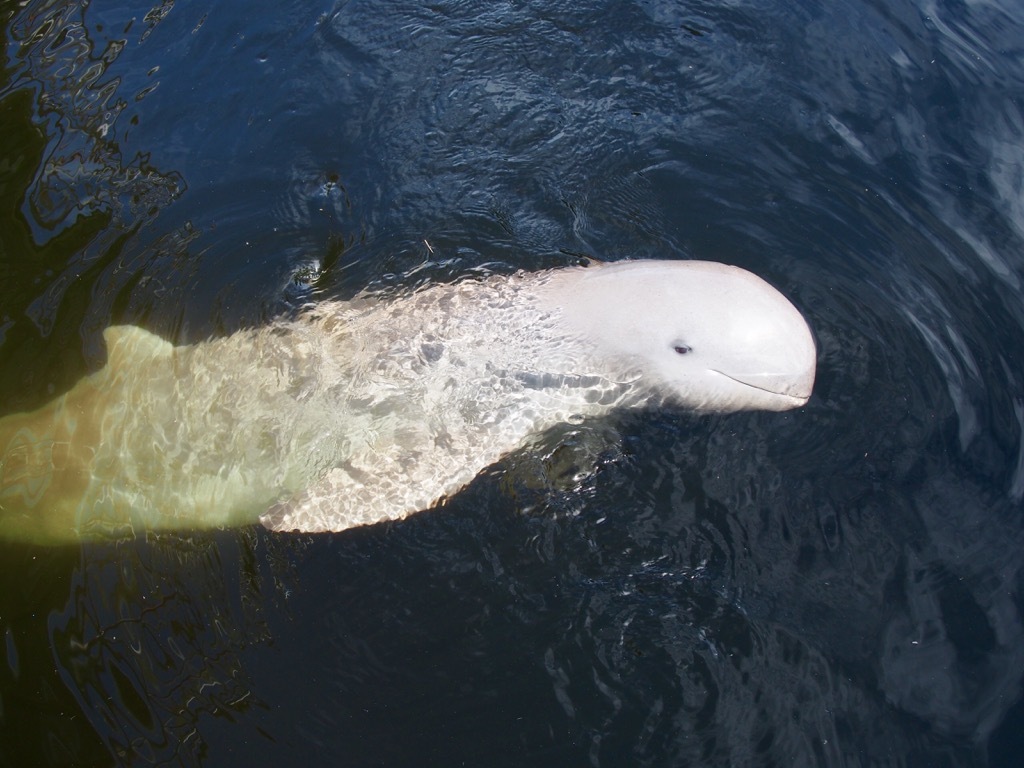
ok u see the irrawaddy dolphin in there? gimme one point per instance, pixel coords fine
(371, 409)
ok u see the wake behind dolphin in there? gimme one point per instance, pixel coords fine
(372, 409)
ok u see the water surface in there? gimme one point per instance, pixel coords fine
(840, 585)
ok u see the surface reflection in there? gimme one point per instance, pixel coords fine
(153, 640)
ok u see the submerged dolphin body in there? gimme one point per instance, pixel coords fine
(372, 409)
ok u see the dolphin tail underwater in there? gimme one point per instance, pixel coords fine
(48, 456)
(378, 407)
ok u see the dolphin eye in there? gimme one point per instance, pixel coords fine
(681, 349)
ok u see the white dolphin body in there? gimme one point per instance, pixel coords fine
(372, 409)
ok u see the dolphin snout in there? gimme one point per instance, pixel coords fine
(797, 386)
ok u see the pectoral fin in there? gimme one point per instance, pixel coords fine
(374, 490)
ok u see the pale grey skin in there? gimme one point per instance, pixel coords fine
(369, 410)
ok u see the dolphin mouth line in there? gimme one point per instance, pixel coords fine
(801, 399)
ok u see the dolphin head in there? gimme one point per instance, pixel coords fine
(703, 335)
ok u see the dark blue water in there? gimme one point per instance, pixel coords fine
(840, 585)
